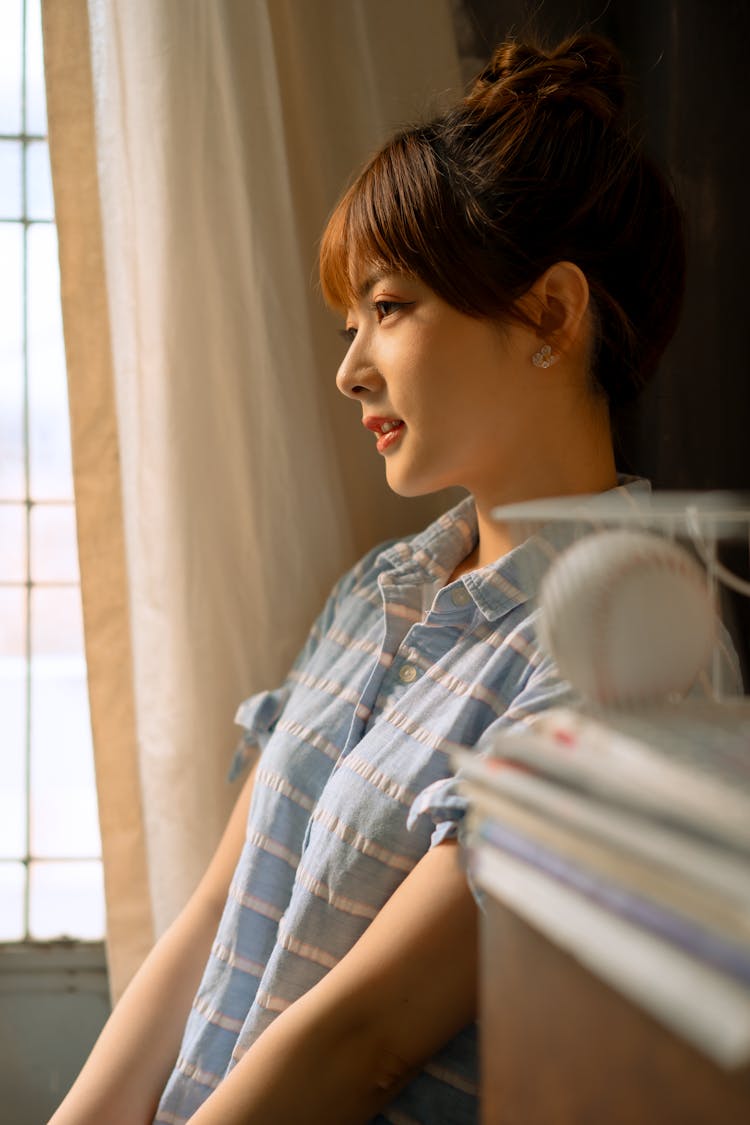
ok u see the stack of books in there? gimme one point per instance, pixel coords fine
(624, 836)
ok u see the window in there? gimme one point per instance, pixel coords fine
(50, 866)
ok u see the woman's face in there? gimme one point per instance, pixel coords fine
(451, 399)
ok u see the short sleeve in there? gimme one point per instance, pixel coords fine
(259, 713)
(257, 716)
(444, 804)
(444, 801)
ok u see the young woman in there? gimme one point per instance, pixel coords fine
(506, 273)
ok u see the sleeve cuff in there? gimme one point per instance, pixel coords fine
(257, 715)
(444, 804)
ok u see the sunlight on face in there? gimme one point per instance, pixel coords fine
(458, 387)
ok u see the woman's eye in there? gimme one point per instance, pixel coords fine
(385, 308)
(348, 334)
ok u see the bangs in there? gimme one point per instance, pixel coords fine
(386, 220)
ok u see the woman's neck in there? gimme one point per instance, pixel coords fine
(586, 468)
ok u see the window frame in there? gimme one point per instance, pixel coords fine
(31, 9)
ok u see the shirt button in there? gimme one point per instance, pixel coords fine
(460, 596)
(407, 674)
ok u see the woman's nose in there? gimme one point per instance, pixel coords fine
(357, 374)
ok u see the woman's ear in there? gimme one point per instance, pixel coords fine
(557, 302)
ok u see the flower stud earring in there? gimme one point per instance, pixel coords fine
(544, 357)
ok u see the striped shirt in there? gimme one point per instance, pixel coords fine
(354, 785)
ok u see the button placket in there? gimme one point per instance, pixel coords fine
(407, 673)
(402, 589)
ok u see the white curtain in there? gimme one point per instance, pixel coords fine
(221, 485)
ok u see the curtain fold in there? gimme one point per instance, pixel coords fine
(96, 470)
(221, 485)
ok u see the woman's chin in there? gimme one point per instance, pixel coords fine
(410, 486)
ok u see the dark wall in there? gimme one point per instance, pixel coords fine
(690, 429)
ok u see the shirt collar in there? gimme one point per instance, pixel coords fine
(434, 553)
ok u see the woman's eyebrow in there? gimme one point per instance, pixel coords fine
(372, 279)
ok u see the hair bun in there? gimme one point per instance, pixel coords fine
(585, 68)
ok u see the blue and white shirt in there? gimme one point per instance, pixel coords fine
(354, 785)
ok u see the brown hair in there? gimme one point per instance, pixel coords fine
(535, 165)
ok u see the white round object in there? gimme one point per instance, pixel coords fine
(627, 616)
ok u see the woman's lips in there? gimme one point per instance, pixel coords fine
(387, 439)
(388, 430)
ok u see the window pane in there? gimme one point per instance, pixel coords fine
(54, 551)
(64, 819)
(56, 626)
(39, 203)
(66, 900)
(49, 438)
(12, 543)
(11, 12)
(12, 883)
(13, 618)
(13, 759)
(11, 362)
(13, 712)
(10, 179)
(36, 106)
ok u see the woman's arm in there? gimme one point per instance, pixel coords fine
(344, 1049)
(128, 1068)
